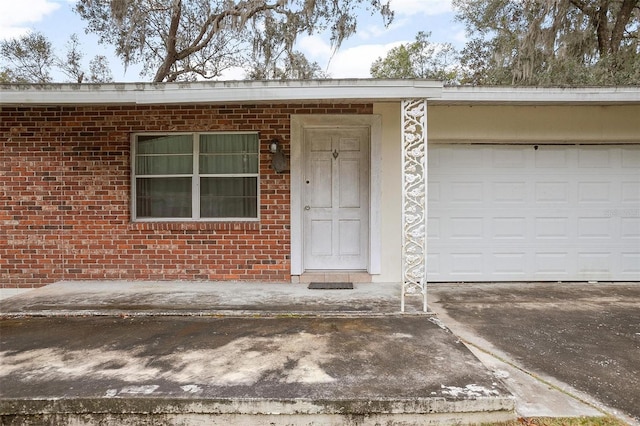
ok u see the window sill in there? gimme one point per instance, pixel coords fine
(195, 226)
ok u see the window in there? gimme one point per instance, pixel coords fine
(197, 176)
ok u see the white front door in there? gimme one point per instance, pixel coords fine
(336, 198)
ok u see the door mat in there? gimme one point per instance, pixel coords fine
(330, 286)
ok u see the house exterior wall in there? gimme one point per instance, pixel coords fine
(613, 124)
(65, 174)
(391, 196)
(528, 124)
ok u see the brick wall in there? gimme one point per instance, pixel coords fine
(66, 194)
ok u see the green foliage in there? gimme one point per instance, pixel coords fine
(420, 59)
(397, 64)
(5, 76)
(188, 39)
(530, 43)
(72, 66)
(550, 42)
(31, 59)
(293, 66)
(99, 71)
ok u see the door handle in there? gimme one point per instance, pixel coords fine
(307, 207)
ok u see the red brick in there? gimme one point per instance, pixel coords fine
(65, 189)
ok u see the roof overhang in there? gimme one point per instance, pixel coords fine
(333, 90)
(465, 95)
(219, 92)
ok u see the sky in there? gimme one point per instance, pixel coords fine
(56, 20)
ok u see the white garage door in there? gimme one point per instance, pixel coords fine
(521, 213)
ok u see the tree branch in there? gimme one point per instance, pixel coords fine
(172, 37)
(621, 23)
(209, 29)
(212, 26)
(598, 19)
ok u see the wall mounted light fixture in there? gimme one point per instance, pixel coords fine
(274, 146)
(278, 159)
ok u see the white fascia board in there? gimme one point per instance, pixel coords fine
(368, 90)
(538, 95)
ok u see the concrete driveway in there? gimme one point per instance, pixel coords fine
(583, 338)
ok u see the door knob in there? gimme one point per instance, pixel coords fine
(307, 208)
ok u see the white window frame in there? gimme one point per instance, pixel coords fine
(195, 180)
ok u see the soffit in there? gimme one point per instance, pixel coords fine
(538, 96)
(299, 91)
(353, 90)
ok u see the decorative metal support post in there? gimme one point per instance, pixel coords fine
(414, 200)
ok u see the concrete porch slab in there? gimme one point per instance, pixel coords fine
(234, 353)
(283, 369)
(107, 298)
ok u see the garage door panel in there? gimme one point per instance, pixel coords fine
(552, 264)
(466, 228)
(508, 157)
(556, 158)
(590, 157)
(551, 228)
(433, 263)
(630, 228)
(595, 192)
(595, 228)
(599, 263)
(467, 263)
(463, 158)
(509, 192)
(630, 264)
(631, 192)
(509, 264)
(555, 192)
(433, 191)
(564, 213)
(467, 192)
(509, 228)
(433, 228)
(630, 158)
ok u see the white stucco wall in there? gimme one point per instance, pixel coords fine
(540, 124)
(391, 197)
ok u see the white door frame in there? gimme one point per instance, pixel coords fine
(298, 123)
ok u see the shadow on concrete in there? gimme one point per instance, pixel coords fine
(225, 353)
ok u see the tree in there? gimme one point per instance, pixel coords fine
(5, 76)
(99, 71)
(186, 39)
(272, 56)
(294, 66)
(551, 42)
(420, 59)
(397, 64)
(298, 67)
(30, 58)
(72, 66)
